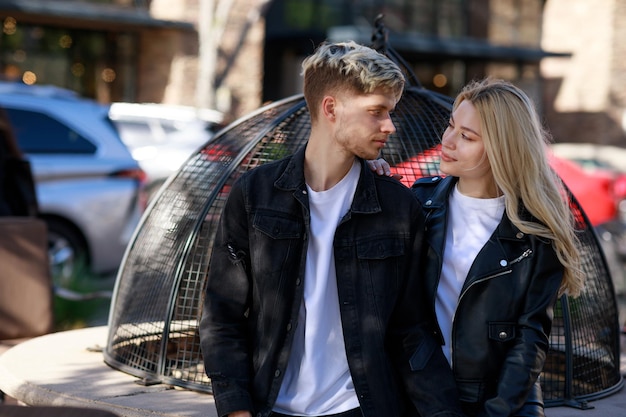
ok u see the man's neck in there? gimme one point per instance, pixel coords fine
(324, 168)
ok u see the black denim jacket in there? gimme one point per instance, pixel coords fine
(255, 288)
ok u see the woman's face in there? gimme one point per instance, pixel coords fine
(463, 150)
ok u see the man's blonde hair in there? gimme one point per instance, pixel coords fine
(348, 66)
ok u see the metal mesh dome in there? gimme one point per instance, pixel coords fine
(156, 308)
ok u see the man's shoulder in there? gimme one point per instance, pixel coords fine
(267, 168)
(391, 184)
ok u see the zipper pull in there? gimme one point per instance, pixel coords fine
(526, 254)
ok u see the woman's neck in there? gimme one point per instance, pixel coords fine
(478, 188)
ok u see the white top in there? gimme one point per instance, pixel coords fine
(317, 379)
(471, 221)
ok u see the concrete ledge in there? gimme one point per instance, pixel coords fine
(59, 369)
(62, 369)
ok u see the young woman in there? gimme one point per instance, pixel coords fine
(501, 246)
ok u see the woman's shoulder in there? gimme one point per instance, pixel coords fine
(432, 188)
(430, 181)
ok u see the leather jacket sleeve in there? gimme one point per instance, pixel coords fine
(525, 359)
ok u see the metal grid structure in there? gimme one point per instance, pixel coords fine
(583, 361)
(156, 308)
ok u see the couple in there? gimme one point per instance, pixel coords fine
(333, 291)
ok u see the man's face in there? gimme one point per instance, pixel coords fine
(363, 122)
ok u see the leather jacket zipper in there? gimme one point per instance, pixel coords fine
(525, 254)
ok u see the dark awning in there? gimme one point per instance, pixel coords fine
(87, 15)
(463, 48)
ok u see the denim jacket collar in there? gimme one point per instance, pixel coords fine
(365, 198)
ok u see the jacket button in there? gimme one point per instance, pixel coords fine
(503, 262)
(298, 281)
(289, 327)
(433, 179)
(277, 373)
(502, 335)
(429, 202)
(519, 235)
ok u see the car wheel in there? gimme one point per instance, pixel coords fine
(67, 252)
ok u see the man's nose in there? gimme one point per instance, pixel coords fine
(389, 126)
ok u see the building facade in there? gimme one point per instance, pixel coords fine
(585, 95)
(235, 55)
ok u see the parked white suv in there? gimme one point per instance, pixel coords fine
(89, 187)
(162, 137)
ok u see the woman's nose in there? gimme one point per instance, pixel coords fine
(447, 139)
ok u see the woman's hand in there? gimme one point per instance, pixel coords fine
(381, 167)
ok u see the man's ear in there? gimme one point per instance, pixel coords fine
(329, 108)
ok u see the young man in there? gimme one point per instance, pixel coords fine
(310, 307)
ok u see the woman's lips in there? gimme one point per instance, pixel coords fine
(446, 158)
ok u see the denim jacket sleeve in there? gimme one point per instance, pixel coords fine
(425, 372)
(223, 332)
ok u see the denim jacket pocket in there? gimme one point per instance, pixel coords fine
(276, 227)
(380, 248)
(502, 331)
(381, 260)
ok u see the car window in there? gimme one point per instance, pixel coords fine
(170, 126)
(134, 133)
(39, 133)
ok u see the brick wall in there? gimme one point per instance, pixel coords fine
(169, 64)
(584, 97)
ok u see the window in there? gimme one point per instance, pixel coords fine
(96, 64)
(38, 133)
(138, 4)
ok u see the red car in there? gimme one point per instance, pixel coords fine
(599, 191)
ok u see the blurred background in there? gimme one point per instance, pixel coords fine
(160, 77)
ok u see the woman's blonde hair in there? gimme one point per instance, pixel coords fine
(516, 146)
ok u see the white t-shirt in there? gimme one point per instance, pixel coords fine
(317, 379)
(471, 221)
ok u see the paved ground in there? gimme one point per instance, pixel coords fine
(612, 406)
(68, 374)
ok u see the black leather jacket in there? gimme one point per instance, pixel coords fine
(254, 291)
(504, 316)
